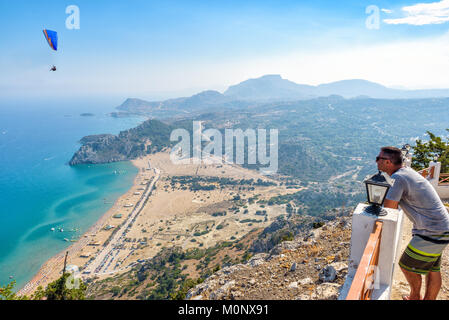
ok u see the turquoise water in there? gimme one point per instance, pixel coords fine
(39, 191)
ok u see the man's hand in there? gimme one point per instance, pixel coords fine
(391, 204)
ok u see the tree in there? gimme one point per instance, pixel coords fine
(188, 284)
(7, 292)
(424, 152)
(64, 288)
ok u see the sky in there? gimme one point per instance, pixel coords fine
(164, 49)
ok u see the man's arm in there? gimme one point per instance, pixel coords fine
(391, 204)
(395, 192)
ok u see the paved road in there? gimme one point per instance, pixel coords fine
(103, 260)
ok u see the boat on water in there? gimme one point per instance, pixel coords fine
(65, 239)
(61, 230)
(52, 229)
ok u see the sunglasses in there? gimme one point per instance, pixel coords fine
(378, 158)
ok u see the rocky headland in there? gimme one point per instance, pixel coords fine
(149, 137)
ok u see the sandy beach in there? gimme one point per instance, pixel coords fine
(52, 268)
(157, 212)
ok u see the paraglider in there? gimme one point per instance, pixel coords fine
(52, 39)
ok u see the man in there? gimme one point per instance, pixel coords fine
(422, 205)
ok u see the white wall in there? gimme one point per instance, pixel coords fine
(362, 226)
(443, 191)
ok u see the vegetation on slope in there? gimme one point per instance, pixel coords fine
(172, 272)
(149, 137)
(426, 151)
(64, 288)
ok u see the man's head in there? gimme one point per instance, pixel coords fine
(389, 159)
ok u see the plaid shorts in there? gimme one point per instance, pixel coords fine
(423, 255)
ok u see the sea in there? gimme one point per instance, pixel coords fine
(39, 191)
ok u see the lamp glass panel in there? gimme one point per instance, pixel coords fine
(376, 193)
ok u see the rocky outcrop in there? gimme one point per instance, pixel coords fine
(310, 267)
(281, 229)
(99, 149)
(151, 136)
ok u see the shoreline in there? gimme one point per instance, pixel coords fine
(48, 272)
(137, 227)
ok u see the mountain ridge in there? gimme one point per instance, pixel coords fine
(274, 88)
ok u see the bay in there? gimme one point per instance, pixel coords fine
(40, 191)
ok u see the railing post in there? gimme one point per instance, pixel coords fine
(362, 225)
(435, 169)
(363, 283)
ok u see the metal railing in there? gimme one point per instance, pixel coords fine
(363, 283)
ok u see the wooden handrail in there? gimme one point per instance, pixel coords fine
(362, 284)
(427, 172)
(444, 178)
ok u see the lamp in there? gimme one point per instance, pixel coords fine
(377, 187)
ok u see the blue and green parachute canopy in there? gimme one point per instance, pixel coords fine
(52, 38)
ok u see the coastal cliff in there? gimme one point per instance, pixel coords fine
(149, 137)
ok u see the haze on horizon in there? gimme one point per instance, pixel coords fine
(178, 48)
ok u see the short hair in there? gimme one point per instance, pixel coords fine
(394, 153)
